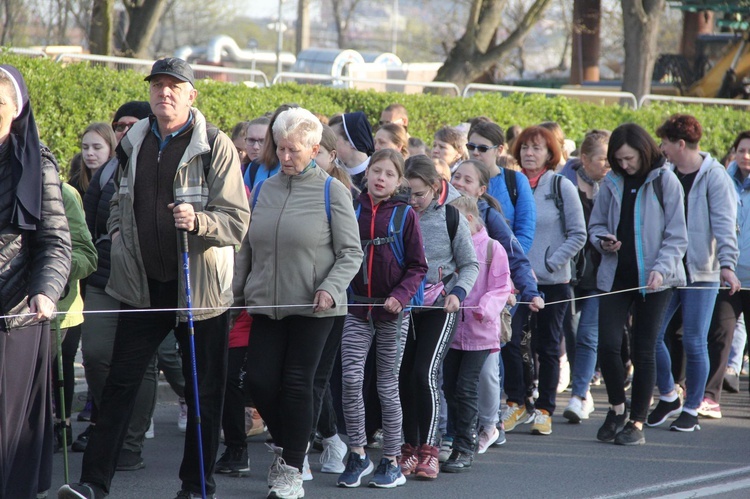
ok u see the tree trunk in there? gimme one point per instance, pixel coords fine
(303, 25)
(694, 24)
(476, 50)
(641, 24)
(144, 17)
(100, 30)
(584, 64)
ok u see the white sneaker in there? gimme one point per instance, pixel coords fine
(150, 432)
(487, 439)
(564, 381)
(288, 484)
(574, 412)
(332, 458)
(274, 471)
(588, 405)
(182, 418)
(306, 471)
(446, 447)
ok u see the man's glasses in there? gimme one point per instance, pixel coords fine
(121, 126)
(251, 141)
(481, 148)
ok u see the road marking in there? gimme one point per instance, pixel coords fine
(663, 487)
(710, 491)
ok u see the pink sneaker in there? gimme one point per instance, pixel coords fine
(709, 409)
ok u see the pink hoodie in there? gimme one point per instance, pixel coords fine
(489, 295)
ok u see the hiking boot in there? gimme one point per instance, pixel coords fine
(685, 422)
(80, 491)
(356, 467)
(408, 460)
(428, 466)
(487, 438)
(514, 415)
(613, 424)
(630, 435)
(129, 461)
(458, 462)
(288, 484)
(709, 409)
(446, 447)
(182, 417)
(234, 461)
(663, 411)
(332, 458)
(254, 424)
(387, 475)
(542, 423)
(83, 440)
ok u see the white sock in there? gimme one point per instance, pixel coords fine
(692, 412)
(668, 398)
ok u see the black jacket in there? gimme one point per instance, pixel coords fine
(96, 206)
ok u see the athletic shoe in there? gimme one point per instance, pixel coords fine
(306, 471)
(630, 435)
(663, 411)
(458, 462)
(500, 435)
(588, 405)
(332, 458)
(709, 409)
(80, 491)
(356, 467)
(375, 441)
(186, 494)
(564, 380)
(387, 475)
(274, 471)
(408, 460)
(288, 485)
(732, 380)
(234, 461)
(182, 418)
(487, 438)
(428, 466)
(515, 415)
(83, 440)
(685, 422)
(129, 461)
(254, 424)
(542, 423)
(574, 411)
(613, 424)
(597, 378)
(446, 448)
(150, 433)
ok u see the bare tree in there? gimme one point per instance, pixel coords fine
(144, 16)
(641, 25)
(477, 50)
(586, 42)
(343, 12)
(11, 13)
(100, 30)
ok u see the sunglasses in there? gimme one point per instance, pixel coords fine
(120, 127)
(481, 148)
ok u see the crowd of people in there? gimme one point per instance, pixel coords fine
(354, 291)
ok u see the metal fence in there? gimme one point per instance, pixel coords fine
(587, 95)
(349, 82)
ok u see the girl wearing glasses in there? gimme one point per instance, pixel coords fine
(453, 268)
(487, 144)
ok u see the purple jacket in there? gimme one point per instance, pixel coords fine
(384, 276)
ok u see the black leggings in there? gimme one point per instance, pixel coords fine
(282, 357)
(648, 315)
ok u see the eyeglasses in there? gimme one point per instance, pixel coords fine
(417, 196)
(121, 126)
(481, 148)
(251, 141)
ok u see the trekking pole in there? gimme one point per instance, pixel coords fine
(193, 368)
(61, 387)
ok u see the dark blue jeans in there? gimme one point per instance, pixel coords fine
(138, 336)
(461, 371)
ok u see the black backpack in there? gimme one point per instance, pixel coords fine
(578, 262)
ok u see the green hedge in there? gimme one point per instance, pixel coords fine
(67, 98)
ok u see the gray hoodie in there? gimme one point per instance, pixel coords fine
(661, 234)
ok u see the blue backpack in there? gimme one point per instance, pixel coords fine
(327, 196)
(395, 239)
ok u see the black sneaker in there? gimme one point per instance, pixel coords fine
(234, 461)
(663, 411)
(83, 440)
(458, 462)
(630, 435)
(129, 461)
(58, 430)
(80, 491)
(685, 422)
(613, 424)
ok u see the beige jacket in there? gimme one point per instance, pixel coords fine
(222, 211)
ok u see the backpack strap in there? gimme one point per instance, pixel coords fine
(511, 184)
(256, 193)
(211, 132)
(490, 245)
(452, 217)
(327, 196)
(559, 202)
(253, 168)
(659, 189)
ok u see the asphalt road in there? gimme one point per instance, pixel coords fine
(569, 463)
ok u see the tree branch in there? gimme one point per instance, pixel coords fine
(516, 37)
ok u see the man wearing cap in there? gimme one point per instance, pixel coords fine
(163, 186)
(354, 144)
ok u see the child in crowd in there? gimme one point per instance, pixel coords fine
(393, 269)
(477, 334)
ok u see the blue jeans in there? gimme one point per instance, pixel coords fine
(738, 345)
(586, 342)
(697, 308)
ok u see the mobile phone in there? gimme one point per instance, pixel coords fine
(606, 238)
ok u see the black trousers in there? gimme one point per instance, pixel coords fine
(324, 415)
(461, 371)
(720, 335)
(282, 357)
(233, 416)
(138, 336)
